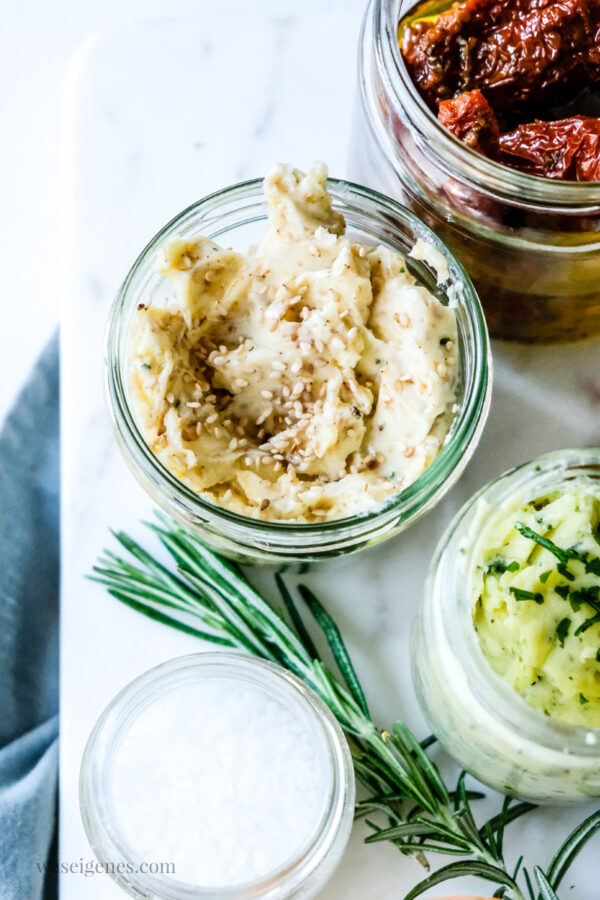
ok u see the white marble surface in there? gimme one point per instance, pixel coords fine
(159, 116)
(37, 41)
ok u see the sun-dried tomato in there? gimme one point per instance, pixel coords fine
(487, 65)
(472, 120)
(568, 149)
(519, 52)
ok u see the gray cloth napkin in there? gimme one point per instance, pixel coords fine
(29, 511)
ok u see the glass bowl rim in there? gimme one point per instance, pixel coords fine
(467, 427)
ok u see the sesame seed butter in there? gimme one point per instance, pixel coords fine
(309, 379)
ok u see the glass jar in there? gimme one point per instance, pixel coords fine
(237, 217)
(530, 244)
(477, 716)
(302, 876)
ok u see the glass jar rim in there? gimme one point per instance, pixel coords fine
(141, 692)
(508, 706)
(465, 429)
(459, 159)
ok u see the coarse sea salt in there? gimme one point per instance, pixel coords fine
(224, 779)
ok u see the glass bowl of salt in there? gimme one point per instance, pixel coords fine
(219, 776)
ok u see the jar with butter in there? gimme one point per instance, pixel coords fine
(529, 243)
(264, 386)
(506, 648)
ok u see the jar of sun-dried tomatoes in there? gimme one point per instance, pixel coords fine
(530, 244)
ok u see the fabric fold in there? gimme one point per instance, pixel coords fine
(29, 548)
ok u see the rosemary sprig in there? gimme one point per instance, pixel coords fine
(404, 784)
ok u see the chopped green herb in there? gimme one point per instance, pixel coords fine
(498, 565)
(377, 362)
(540, 504)
(562, 568)
(598, 655)
(562, 630)
(444, 341)
(562, 590)
(587, 594)
(545, 576)
(562, 555)
(520, 594)
(146, 366)
(593, 566)
(593, 620)
(596, 534)
(583, 699)
(177, 404)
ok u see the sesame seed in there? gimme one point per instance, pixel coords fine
(264, 504)
(233, 444)
(193, 404)
(264, 415)
(279, 366)
(295, 368)
(241, 382)
(212, 418)
(219, 360)
(223, 348)
(353, 332)
(305, 346)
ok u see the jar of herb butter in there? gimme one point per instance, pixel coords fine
(531, 245)
(491, 728)
(216, 776)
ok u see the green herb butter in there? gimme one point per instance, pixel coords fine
(536, 601)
